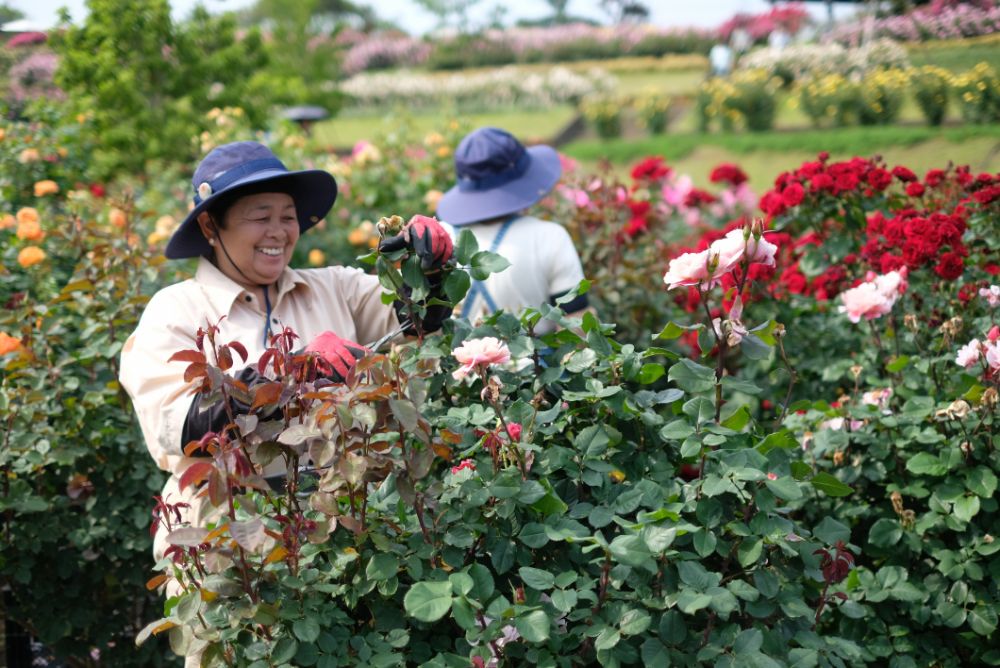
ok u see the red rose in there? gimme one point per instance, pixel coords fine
(821, 182)
(934, 177)
(651, 168)
(771, 203)
(889, 262)
(879, 179)
(950, 266)
(96, 189)
(915, 189)
(903, 174)
(793, 194)
(728, 173)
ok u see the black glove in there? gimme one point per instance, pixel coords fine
(199, 422)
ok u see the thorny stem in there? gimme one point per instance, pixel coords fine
(792, 377)
(821, 605)
(721, 345)
(497, 651)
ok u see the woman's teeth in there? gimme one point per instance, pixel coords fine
(270, 251)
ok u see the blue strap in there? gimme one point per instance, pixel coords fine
(267, 319)
(478, 288)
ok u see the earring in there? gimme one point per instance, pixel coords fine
(211, 241)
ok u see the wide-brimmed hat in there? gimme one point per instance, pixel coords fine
(497, 176)
(231, 167)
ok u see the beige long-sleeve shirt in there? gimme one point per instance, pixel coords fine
(310, 301)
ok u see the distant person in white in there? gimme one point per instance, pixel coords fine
(497, 179)
(720, 59)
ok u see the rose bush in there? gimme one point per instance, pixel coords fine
(490, 497)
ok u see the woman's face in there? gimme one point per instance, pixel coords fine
(259, 236)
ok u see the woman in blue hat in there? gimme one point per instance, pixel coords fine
(497, 180)
(249, 211)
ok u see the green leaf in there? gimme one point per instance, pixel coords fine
(634, 622)
(983, 619)
(779, 439)
(655, 653)
(466, 247)
(897, 364)
(885, 532)
(754, 348)
(533, 535)
(966, 508)
(428, 601)
(485, 263)
(691, 376)
(457, 285)
(738, 419)
(461, 583)
(284, 650)
(750, 552)
(830, 486)
(413, 276)
(675, 331)
(677, 430)
(607, 639)
(704, 542)
(306, 630)
(533, 627)
(830, 531)
(650, 373)
(785, 487)
(924, 463)
(981, 481)
(564, 599)
(382, 567)
(536, 578)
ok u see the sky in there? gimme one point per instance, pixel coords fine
(407, 13)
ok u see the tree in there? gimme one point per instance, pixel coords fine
(147, 84)
(8, 13)
(444, 10)
(625, 10)
(558, 10)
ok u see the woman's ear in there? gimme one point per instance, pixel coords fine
(207, 226)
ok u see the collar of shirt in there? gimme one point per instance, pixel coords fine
(221, 291)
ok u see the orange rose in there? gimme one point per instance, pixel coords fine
(3, 134)
(27, 215)
(317, 257)
(117, 218)
(7, 221)
(30, 256)
(30, 231)
(8, 343)
(46, 187)
(29, 155)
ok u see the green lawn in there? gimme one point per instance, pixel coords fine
(531, 125)
(765, 155)
(956, 55)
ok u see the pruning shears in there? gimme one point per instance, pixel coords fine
(378, 343)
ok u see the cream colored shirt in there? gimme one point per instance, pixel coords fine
(310, 301)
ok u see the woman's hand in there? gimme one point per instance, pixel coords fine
(339, 354)
(425, 237)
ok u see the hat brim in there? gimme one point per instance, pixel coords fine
(313, 190)
(459, 207)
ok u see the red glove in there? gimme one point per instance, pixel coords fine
(337, 353)
(426, 237)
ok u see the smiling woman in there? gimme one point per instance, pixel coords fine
(248, 213)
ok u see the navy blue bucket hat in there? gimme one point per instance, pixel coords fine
(229, 168)
(497, 176)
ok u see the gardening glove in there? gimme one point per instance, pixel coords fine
(337, 354)
(425, 237)
(213, 417)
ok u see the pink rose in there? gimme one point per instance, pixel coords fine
(968, 355)
(687, 269)
(465, 464)
(479, 354)
(879, 398)
(892, 284)
(992, 354)
(865, 301)
(991, 294)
